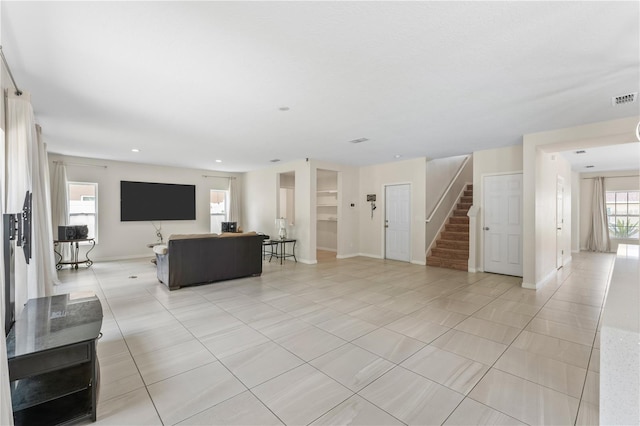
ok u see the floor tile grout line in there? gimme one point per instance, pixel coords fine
(378, 327)
(507, 348)
(146, 388)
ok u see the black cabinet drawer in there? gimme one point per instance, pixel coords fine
(54, 359)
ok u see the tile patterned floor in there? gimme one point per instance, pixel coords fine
(352, 341)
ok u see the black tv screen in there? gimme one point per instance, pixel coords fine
(146, 201)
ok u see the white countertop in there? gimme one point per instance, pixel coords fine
(620, 342)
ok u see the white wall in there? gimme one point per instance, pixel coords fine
(260, 199)
(348, 181)
(118, 240)
(537, 249)
(576, 210)
(614, 181)
(372, 181)
(490, 162)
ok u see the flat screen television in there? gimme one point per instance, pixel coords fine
(148, 201)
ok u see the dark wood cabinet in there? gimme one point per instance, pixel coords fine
(53, 368)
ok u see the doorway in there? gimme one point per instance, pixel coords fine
(559, 221)
(397, 222)
(502, 229)
(287, 202)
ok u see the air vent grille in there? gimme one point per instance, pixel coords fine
(359, 140)
(629, 98)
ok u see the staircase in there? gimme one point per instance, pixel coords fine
(452, 247)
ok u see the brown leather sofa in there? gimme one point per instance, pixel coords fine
(205, 258)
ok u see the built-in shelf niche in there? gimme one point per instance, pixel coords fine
(327, 210)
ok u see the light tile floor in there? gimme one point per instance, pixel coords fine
(352, 341)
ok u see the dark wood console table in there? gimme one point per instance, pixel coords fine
(53, 368)
(75, 248)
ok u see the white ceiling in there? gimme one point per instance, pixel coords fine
(191, 82)
(604, 158)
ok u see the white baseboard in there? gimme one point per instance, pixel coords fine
(306, 261)
(346, 256)
(541, 283)
(327, 249)
(419, 262)
(150, 255)
(374, 256)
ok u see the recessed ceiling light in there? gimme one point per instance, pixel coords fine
(275, 160)
(589, 167)
(284, 108)
(581, 151)
(359, 140)
(397, 156)
(135, 150)
(218, 161)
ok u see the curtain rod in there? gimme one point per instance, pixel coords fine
(79, 164)
(18, 91)
(611, 177)
(221, 177)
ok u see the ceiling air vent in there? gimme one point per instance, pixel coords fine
(581, 151)
(629, 98)
(359, 140)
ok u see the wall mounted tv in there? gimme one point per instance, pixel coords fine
(147, 201)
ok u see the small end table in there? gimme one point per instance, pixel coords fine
(281, 253)
(75, 248)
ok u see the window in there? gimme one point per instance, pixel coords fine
(218, 209)
(83, 206)
(623, 210)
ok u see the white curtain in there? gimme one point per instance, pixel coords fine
(44, 259)
(6, 413)
(27, 169)
(234, 201)
(598, 237)
(59, 203)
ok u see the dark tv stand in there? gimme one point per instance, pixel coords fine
(53, 368)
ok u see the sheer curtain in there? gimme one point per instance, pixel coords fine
(6, 413)
(45, 263)
(27, 169)
(598, 237)
(59, 204)
(234, 201)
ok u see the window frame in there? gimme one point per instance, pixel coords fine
(95, 203)
(615, 215)
(226, 208)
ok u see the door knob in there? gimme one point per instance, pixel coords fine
(486, 228)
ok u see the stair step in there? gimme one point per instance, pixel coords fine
(457, 227)
(453, 244)
(459, 220)
(470, 187)
(447, 263)
(468, 199)
(446, 253)
(454, 236)
(468, 193)
(464, 206)
(460, 212)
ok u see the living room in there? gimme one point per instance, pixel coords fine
(261, 130)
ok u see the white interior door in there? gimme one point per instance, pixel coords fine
(502, 202)
(398, 222)
(559, 222)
